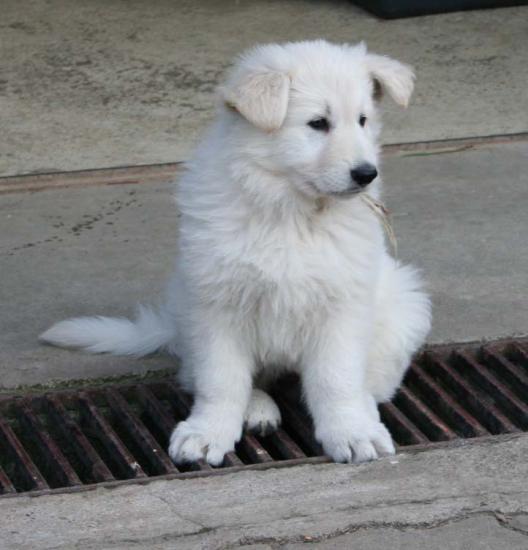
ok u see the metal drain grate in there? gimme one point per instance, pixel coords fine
(74, 439)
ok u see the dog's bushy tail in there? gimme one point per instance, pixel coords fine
(150, 331)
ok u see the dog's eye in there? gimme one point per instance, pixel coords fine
(362, 120)
(320, 124)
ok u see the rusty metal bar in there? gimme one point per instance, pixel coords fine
(486, 412)
(95, 468)
(509, 402)
(6, 486)
(253, 449)
(118, 453)
(285, 445)
(503, 367)
(444, 404)
(180, 402)
(423, 416)
(58, 469)
(156, 411)
(469, 390)
(156, 456)
(231, 460)
(401, 428)
(25, 467)
(519, 354)
(293, 421)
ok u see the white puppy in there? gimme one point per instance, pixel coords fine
(281, 264)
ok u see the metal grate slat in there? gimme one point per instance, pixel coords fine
(125, 462)
(518, 353)
(403, 430)
(28, 472)
(503, 367)
(60, 470)
(298, 425)
(6, 485)
(514, 407)
(253, 449)
(285, 445)
(95, 468)
(231, 459)
(160, 462)
(487, 413)
(157, 413)
(445, 405)
(71, 439)
(423, 416)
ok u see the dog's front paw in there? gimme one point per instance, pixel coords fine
(194, 439)
(355, 438)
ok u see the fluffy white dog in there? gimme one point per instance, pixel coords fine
(281, 264)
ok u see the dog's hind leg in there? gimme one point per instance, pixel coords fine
(402, 322)
(262, 414)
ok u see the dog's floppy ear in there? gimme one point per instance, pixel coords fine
(391, 75)
(260, 97)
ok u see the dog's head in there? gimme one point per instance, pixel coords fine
(308, 111)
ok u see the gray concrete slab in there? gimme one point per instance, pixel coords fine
(82, 251)
(459, 216)
(475, 494)
(110, 83)
(482, 532)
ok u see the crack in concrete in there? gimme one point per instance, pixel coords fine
(277, 543)
(436, 499)
(504, 521)
(177, 513)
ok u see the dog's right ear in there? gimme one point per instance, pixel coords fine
(393, 76)
(260, 97)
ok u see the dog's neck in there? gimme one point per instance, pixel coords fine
(279, 196)
(286, 202)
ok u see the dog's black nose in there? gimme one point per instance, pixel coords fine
(363, 174)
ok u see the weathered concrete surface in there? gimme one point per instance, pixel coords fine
(435, 496)
(110, 83)
(84, 251)
(475, 532)
(459, 216)
(462, 218)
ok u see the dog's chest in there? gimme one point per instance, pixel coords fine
(286, 273)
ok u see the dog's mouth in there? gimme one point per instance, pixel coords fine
(347, 193)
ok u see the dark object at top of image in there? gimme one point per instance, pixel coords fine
(393, 9)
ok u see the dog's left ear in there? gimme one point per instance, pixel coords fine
(260, 97)
(391, 75)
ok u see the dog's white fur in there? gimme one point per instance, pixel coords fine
(279, 265)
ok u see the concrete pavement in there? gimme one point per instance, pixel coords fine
(91, 85)
(471, 497)
(109, 83)
(101, 250)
